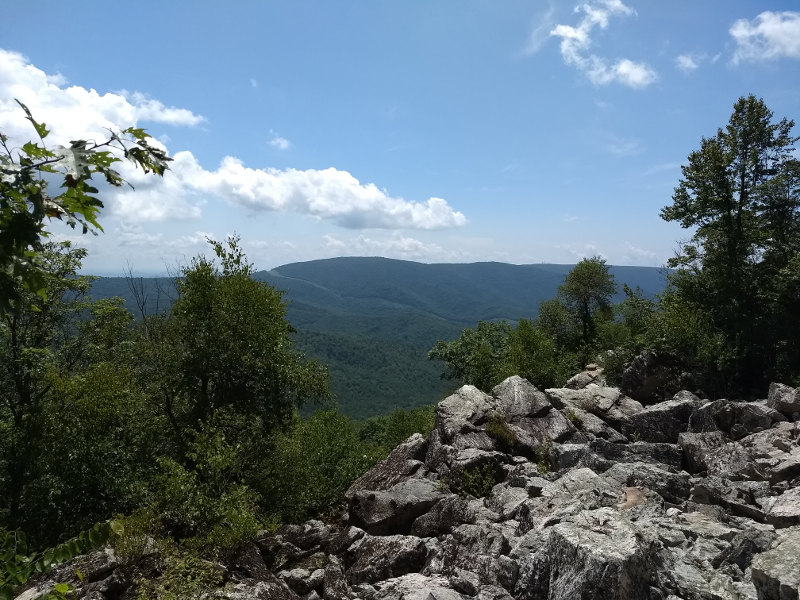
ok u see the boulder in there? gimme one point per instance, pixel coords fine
(375, 558)
(663, 422)
(518, 398)
(402, 462)
(782, 510)
(784, 399)
(393, 511)
(735, 419)
(776, 572)
(597, 554)
(673, 487)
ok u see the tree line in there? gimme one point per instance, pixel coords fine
(729, 315)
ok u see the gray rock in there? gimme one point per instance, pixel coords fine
(517, 398)
(784, 399)
(415, 586)
(593, 426)
(450, 512)
(393, 511)
(783, 510)
(597, 554)
(663, 422)
(735, 497)
(403, 462)
(673, 487)
(375, 558)
(666, 455)
(776, 572)
(735, 419)
(457, 413)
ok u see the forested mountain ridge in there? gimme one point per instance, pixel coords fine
(373, 320)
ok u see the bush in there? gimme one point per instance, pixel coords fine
(476, 481)
(498, 430)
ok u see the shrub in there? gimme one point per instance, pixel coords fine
(499, 431)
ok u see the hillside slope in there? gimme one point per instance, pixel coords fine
(373, 320)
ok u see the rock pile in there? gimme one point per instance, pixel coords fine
(563, 494)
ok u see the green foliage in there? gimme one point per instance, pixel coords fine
(25, 202)
(499, 431)
(386, 432)
(310, 465)
(542, 456)
(476, 481)
(205, 505)
(535, 355)
(185, 576)
(587, 289)
(477, 357)
(228, 345)
(18, 562)
(740, 195)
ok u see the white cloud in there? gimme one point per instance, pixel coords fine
(541, 30)
(686, 63)
(576, 41)
(770, 35)
(327, 194)
(78, 113)
(281, 143)
(395, 245)
(635, 256)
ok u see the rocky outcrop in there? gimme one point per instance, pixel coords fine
(579, 492)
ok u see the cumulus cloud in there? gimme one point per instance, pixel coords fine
(327, 194)
(770, 35)
(395, 245)
(75, 112)
(576, 41)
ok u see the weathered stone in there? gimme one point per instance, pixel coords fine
(736, 497)
(375, 558)
(743, 547)
(450, 512)
(517, 397)
(783, 510)
(605, 402)
(415, 586)
(776, 572)
(467, 407)
(393, 511)
(595, 555)
(334, 585)
(784, 399)
(505, 500)
(663, 422)
(735, 419)
(668, 455)
(593, 426)
(673, 487)
(402, 462)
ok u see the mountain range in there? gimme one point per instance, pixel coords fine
(373, 320)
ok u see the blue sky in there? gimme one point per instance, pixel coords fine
(450, 131)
